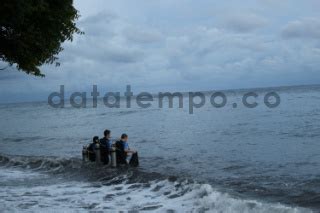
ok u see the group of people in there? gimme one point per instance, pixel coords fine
(105, 145)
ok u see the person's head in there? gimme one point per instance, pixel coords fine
(95, 139)
(107, 133)
(124, 137)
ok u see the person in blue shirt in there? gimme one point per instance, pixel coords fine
(123, 150)
(105, 146)
(124, 140)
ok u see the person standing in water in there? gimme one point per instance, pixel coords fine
(91, 148)
(105, 146)
(123, 152)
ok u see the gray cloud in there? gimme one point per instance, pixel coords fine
(303, 28)
(143, 36)
(104, 41)
(198, 46)
(245, 22)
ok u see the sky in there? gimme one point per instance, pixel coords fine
(180, 45)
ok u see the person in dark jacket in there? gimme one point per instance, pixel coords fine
(105, 146)
(123, 150)
(91, 148)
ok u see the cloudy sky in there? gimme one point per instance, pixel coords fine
(181, 45)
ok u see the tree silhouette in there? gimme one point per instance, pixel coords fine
(32, 31)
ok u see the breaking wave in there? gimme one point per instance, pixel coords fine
(85, 187)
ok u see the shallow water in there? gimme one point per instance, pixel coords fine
(228, 159)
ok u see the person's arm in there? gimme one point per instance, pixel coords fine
(127, 149)
(110, 145)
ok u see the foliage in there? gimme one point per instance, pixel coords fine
(32, 31)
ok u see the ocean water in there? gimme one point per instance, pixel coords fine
(231, 159)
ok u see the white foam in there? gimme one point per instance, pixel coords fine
(11, 174)
(158, 196)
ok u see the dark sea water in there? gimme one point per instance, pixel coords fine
(214, 160)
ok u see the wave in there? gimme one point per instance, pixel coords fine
(75, 168)
(156, 196)
(127, 189)
(40, 163)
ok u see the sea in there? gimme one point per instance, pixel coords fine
(217, 159)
